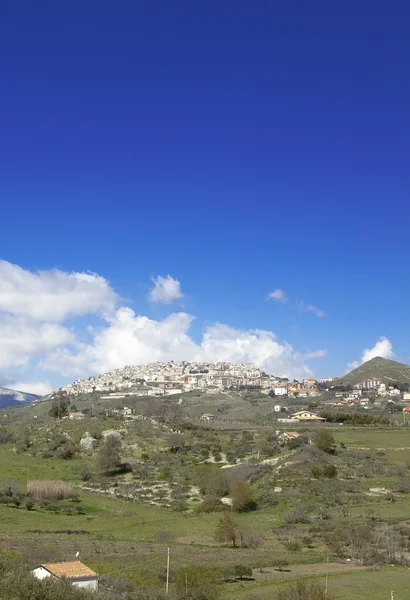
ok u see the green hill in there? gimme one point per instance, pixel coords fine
(389, 371)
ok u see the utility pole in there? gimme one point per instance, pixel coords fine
(392, 595)
(167, 584)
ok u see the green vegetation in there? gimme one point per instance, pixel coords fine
(242, 512)
(388, 371)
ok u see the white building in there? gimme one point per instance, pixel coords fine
(74, 571)
(280, 391)
(369, 384)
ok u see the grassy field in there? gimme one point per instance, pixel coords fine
(368, 437)
(116, 535)
(374, 584)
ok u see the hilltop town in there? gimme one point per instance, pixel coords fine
(168, 378)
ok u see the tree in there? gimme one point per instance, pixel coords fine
(214, 482)
(242, 497)
(10, 493)
(176, 442)
(109, 456)
(325, 441)
(59, 407)
(196, 582)
(227, 530)
(242, 571)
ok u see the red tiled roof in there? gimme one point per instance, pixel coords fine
(71, 570)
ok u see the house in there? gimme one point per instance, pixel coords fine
(406, 396)
(305, 415)
(307, 383)
(76, 416)
(74, 571)
(406, 410)
(207, 417)
(280, 390)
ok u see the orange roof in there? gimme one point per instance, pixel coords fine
(71, 570)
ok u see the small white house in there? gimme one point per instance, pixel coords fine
(280, 390)
(74, 571)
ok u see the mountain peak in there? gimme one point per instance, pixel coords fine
(387, 370)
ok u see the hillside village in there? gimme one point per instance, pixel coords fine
(173, 378)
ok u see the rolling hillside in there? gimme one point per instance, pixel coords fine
(389, 371)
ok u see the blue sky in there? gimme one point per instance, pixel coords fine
(239, 147)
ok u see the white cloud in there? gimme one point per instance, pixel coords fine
(33, 387)
(131, 339)
(278, 295)
(383, 347)
(315, 354)
(311, 308)
(127, 339)
(33, 338)
(53, 295)
(22, 339)
(166, 289)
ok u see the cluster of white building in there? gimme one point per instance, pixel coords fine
(162, 378)
(378, 386)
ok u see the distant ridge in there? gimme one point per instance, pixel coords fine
(388, 371)
(15, 398)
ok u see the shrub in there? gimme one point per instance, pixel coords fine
(10, 493)
(280, 564)
(303, 589)
(86, 474)
(196, 582)
(109, 456)
(242, 571)
(49, 490)
(242, 497)
(293, 545)
(298, 514)
(324, 470)
(211, 504)
(29, 504)
(67, 450)
(325, 441)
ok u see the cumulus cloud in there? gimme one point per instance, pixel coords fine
(53, 295)
(278, 295)
(165, 290)
(22, 339)
(383, 347)
(132, 339)
(126, 340)
(34, 306)
(41, 388)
